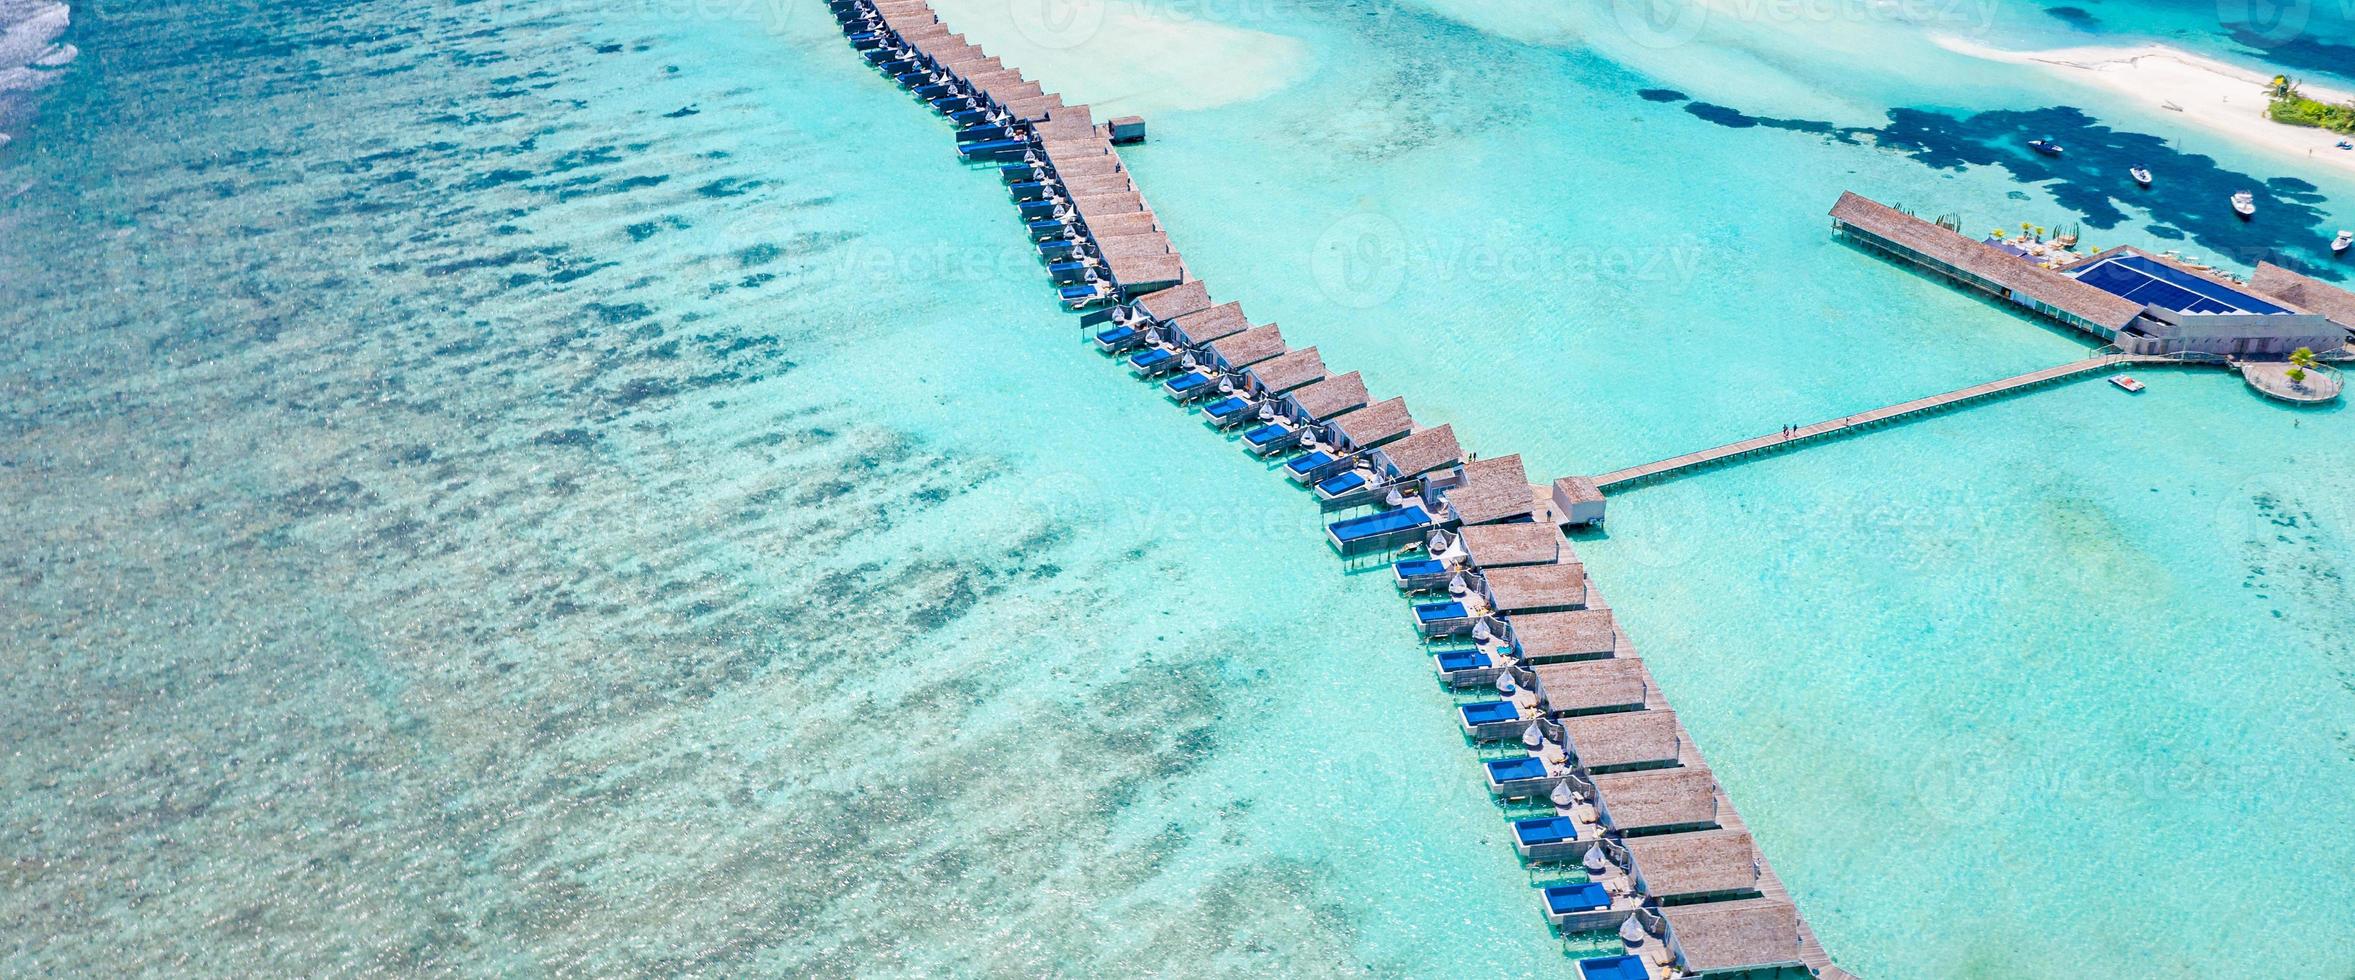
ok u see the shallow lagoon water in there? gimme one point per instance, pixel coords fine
(2034, 669)
(510, 491)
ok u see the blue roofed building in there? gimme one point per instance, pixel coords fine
(2143, 303)
(2184, 310)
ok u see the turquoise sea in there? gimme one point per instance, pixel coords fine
(549, 488)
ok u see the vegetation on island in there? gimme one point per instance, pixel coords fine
(2292, 107)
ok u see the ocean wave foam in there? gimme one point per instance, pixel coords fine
(30, 54)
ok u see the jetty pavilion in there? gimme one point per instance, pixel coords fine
(2139, 302)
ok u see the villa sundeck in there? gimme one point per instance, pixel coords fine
(1201, 327)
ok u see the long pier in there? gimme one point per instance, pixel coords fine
(1692, 896)
(1848, 424)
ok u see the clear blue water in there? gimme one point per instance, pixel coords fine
(508, 489)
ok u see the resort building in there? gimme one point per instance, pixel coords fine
(2139, 302)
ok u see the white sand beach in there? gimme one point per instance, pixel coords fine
(2225, 99)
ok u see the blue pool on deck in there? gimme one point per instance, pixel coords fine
(1508, 770)
(1419, 568)
(1489, 713)
(1582, 897)
(1335, 486)
(1612, 968)
(1434, 612)
(1455, 660)
(1373, 526)
(1544, 830)
(1309, 462)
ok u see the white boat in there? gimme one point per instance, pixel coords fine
(2141, 176)
(2126, 383)
(2345, 241)
(2244, 204)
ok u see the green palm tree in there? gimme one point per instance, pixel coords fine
(2303, 358)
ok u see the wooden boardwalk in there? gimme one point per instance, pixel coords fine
(1830, 428)
(1069, 136)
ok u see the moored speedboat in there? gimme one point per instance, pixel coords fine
(2127, 383)
(2341, 244)
(2142, 175)
(2046, 147)
(2244, 204)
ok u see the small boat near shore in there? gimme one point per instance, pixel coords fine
(2127, 384)
(2245, 205)
(2141, 175)
(2345, 241)
(2046, 147)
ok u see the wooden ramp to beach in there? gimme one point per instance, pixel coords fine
(1832, 428)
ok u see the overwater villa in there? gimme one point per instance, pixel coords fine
(1222, 359)
(1544, 638)
(1398, 466)
(1252, 398)
(1676, 869)
(1133, 323)
(1656, 801)
(1623, 741)
(1587, 687)
(1741, 938)
(1583, 692)
(1293, 414)
(1335, 446)
(1478, 595)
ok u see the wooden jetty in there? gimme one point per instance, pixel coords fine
(1849, 424)
(1081, 206)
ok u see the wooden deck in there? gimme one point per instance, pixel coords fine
(914, 12)
(1832, 428)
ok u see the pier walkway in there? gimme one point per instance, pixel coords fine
(1833, 428)
(1724, 910)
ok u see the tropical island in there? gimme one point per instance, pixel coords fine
(2293, 107)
